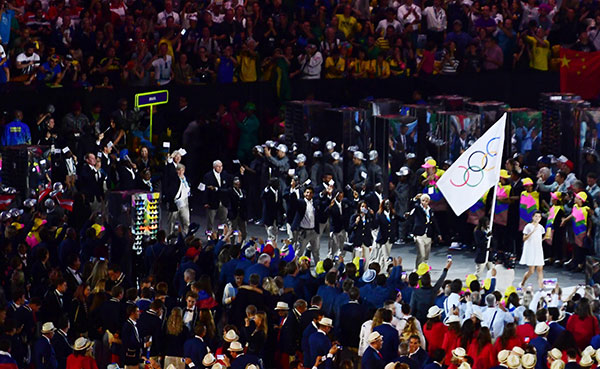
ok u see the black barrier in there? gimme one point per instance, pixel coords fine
(518, 89)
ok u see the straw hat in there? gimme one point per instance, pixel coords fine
(464, 365)
(557, 364)
(434, 311)
(528, 361)
(589, 351)
(586, 361)
(517, 350)
(503, 356)
(555, 354)
(513, 361)
(82, 344)
(209, 359)
(452, 319)
(326, 322)
(459, 353)
(541, 328)
(235, 347)
(374, 336)
(48, 328)
(231, 336)
(282, 306)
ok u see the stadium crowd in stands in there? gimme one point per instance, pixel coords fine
(95, 44)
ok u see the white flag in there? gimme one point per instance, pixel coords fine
(475, 171)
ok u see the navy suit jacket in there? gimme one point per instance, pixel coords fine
(271, 206)
(542, 346)
(310, 329)
(291, 335)
(555, 330)
(432, 366)
(242, 361)
(372, 360)
(195, 349)
(352, 315)
(44, 356)
(319, 346)
(62, 348)
(387, 228)
(391, 341)
(150, 324)
(132, 344)
(420, 357)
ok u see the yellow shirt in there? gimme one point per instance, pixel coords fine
(347, 24)
(540, 54)
(247, 67)
(380, 70)
(360, 66)
(333, 69)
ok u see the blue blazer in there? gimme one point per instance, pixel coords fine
(542, 346)
(195, 349)
(319, 346)
(555, 330)
(44, 356)
(389, 350)
(420, 357)
(328, 294)
(132, 344)
(308, 331)
(372, 360)
(242, 361)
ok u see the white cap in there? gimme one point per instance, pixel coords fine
(359, 155)
(270, 144)
(282, 147)
(329, 145)
(335, 155)
(374, 336)
(315, 141)
(404, 171)
(411, 155)
(301, 158)
(563, 159)
(373, 154)
(317, 154)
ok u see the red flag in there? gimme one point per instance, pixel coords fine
(5, 201)
(580, 73)
(45, 192)
(66, 204)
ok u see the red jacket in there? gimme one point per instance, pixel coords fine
(434, 336)
(485, 359)
(81, 362)
(583, 329)
(451, 341)
(515, 341)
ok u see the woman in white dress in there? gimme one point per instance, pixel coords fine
(533, 252)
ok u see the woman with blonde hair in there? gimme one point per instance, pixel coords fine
(255, 332)
(367, 328)
(175, 336)
(100, 271)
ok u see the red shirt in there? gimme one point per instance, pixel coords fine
(434, 336)
(583, 329)
(526, 330)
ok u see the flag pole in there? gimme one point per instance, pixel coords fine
(493, 210)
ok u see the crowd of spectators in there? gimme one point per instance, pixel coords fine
(94, 44)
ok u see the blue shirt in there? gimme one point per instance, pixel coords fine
(16, 133)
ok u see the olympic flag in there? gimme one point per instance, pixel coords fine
(475, 171)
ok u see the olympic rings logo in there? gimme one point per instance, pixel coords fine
(472, 166)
